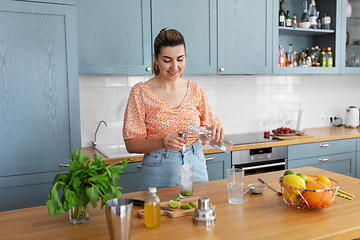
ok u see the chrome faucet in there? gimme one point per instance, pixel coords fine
(93, 143)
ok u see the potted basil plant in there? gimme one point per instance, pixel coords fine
(85, 183)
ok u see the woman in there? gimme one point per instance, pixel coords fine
(160, 108)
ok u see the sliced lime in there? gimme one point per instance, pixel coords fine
(177, 199)
(174, 204)
(192, 204)
(185, 206)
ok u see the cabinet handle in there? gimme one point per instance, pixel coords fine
(323, 160)
(139, 166)
(64, 165)
(221, 69)
(148, 69)
(208, 159)
(324, 145)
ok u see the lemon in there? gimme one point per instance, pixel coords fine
(185, 206)
(192, 204)
(303, 176)
(292, 180)
(289, 172)
(174, 204)
(325, 180)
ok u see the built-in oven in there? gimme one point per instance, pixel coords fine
(260, 160)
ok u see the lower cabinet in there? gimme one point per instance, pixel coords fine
(335, 156)
(131, 177)
(218, 165)
(357, 174)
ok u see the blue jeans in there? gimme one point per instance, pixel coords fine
(160, 168)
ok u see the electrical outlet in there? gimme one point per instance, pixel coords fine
(324, 119)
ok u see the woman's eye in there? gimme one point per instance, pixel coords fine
(166, 61)
(180, 60)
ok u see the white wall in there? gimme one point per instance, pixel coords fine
(239, 101)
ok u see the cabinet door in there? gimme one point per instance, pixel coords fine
(67, 2)
(196, 20)
(340, 163)
(244, 40)
(217, 165)
(114, 36)
(350, 37)
(39, 95)
(130, 179)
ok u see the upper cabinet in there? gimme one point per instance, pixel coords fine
(196, 20)
(244, 37)
(302, 38)
(350, 37)
(114, 36)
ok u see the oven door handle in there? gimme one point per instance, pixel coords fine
(264, 166)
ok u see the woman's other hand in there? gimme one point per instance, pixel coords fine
(217, 132)
(173, 142)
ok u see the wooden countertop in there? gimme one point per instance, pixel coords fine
(263, 216)
(320, 134)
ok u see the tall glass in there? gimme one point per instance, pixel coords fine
(235, 185)
(186, 180)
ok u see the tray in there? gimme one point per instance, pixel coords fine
(296, 136)
(177, 212)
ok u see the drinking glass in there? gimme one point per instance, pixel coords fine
(274, 119)
(186, 180)
(235, 185)
(287, 118)
(265, 121)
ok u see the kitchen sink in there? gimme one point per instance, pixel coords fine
(114, 151)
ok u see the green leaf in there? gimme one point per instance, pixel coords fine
(50, 207)
(115, 177)
(104, 199)
(84, 197)
(115, 192)
(93, 194)
(94, 178)
(76, 183)
(81, 158)
(104, 181)
(72, 167)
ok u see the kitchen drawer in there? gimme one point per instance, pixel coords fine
(131, 177)
(343, 163)
(218, 165)
(321, 148)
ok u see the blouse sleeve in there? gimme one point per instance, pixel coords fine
(206, 113)
(134, 117)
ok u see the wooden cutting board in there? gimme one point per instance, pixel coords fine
(177, 212)
(296, 136)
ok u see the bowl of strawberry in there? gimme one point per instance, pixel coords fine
(283, 131)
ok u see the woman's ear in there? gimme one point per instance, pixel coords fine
(154, 57)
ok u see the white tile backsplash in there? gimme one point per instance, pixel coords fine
(240, 101)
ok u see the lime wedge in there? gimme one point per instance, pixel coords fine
(192, 204)
(185, 206)
(177, 199)
(174, 204)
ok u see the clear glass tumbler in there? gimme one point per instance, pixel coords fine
(186, 180)
(235, 185)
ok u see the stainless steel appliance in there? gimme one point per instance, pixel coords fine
(258, 160)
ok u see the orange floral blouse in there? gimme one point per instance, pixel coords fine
(148, 116)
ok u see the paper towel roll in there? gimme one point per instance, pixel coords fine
(300, 123)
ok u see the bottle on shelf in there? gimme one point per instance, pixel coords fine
(290, 57)
(326, 21)
(316, 57)
(205, 135)
(152, 209)
(288, 21)
(305, 16)
(294, 22)
(323, 59)
(312, 15)
(308, 61)
(282, 19)
(312, 54)
(295, 59)
(329, 58)
(318, 20)
(281, 56)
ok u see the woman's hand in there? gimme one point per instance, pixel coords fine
(173, 142)
(217, 132)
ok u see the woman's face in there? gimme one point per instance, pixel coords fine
(171, 61)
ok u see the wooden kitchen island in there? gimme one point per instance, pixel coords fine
(263, 216)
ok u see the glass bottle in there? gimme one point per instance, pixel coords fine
(329, 58)
(312, 15)
(318, 20)
(288, 22)
(282, 19)
(290, 57)
(323, 59)
(294, 21)
(152, 209)
(326, 21)
(305, 16)
(205, 135)
(282, 60)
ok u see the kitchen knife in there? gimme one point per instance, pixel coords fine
(139, 202)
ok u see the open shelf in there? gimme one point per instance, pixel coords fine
(306, 32)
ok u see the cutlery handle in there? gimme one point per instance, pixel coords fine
(269, 186)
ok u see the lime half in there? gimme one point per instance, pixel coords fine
(174, 204)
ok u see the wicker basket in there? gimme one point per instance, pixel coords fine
(308, 198)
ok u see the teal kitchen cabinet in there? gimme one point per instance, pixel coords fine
(245, 37)
(337, 156)
(198, 26)
(130, 179)
(217, 165)
(357, 158)
(114, 36)
(39, 98)
(66, 2)
(350, 38)
(306, 38)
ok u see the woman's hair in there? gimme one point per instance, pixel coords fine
(167, 37)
